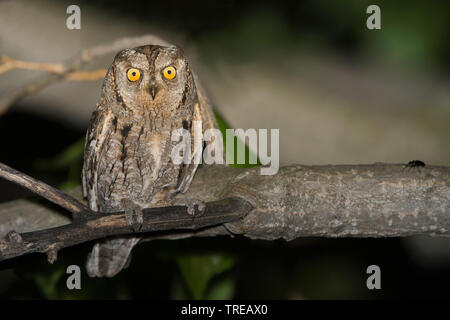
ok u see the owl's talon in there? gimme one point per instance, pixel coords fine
(133, 214)
(195, 207)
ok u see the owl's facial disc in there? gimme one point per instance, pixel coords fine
(152, 77)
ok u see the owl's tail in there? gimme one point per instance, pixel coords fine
(108, 257)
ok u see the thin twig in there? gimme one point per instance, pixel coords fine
(87, 75)
(9, 64)
(44, 190)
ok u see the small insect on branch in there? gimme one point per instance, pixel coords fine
(415, 164)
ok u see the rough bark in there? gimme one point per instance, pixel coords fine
(378, 200)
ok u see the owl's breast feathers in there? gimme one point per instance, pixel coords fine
(130, 159)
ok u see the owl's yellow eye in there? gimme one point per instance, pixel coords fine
(169, 73)
(133, 74)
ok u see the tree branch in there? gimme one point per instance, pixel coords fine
(379, 200)
(98, 226)
(89, 225)
(44, 190)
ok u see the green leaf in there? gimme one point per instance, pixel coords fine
(223, 289)
(48, 282)
(199, 270)
(223, 125)
(178, 291)
(70, 155)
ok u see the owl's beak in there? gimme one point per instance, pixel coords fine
(153, 90)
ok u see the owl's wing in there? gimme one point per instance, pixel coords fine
(99, 128)
(206, 111)
(202, 112)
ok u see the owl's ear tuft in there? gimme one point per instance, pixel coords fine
(124, 54)
(174, 48)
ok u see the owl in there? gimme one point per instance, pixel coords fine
(148, 92)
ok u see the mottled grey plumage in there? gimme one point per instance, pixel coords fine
(127, 163)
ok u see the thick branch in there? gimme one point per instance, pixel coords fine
(380, 200)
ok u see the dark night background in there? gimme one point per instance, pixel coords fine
(321, 49)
